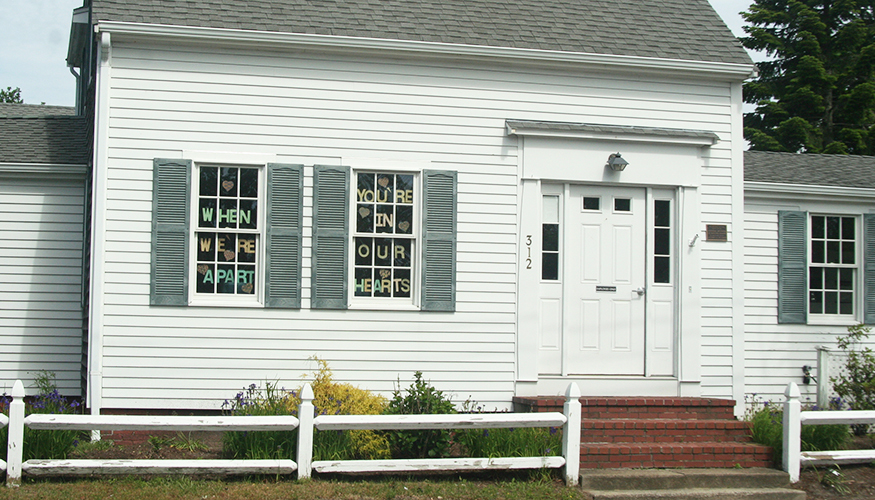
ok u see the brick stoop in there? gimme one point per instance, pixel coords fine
(658, 432)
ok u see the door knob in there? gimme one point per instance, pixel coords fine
(640, 291)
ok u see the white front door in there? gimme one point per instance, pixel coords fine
(605, 290)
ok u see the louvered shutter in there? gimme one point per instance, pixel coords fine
(869, 269)
(439, 240)
(330, 237)
(171, 184)
(792, 267)
(283, 231)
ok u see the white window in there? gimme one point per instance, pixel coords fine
(228, 235)
(832, 266)
(384, 240)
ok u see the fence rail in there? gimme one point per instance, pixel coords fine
(306, 424)
(793, 420)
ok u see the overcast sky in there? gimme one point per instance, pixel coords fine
(34, 35)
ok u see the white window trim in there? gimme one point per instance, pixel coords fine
(387, 303)
(823, 319)
(255, 300)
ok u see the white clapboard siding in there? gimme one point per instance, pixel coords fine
(41, 231)
(775, 353)
(313, 109)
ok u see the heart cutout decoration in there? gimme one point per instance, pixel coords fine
(404, 225)
(364, 212)
(247, 288)
(384, 181)
(384, 273)
(202, 269)
(229, 255)
(227, 185)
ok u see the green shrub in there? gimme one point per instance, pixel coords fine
(44, 444)
(420, 399)
(856, 384)
(766, 427)
(330, 398)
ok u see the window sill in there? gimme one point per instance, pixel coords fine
(205, 302)
(832, 321)
(383, 305)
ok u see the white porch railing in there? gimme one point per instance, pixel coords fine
(569, 420)
(793, 420)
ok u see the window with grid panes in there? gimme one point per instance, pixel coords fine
(832, 270)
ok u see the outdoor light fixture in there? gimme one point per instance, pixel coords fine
(617, 163)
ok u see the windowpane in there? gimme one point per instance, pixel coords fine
(227, 213)
(591, 203)
(364, 251)
(401, 283)
(384, 219)
(382, 252)
(662, 241)
(833, 252)
(382, 282)
(833, 228)
(818, 255)
(662, 213)
(404, 189)
(846, 279)
(246, 248)
(622, 204)
(846, 303)
(248, 215)
(551, 237)
(249, 183)
(830, 303)
(363, 279)
(815, 278)
(403, 219)
(225, 278)
(206, 278)
(402, 252)
(245, 279)
(848, 254)
(365, 219)
(831, 278)
(551, 209)
(815, 302)
(209, 181)
(228, 182)
(207, 212)
(848, 228)
(550, 266)
(818, 225)
(662, 270)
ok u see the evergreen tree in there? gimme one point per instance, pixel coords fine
(817, 94)
(11, 95)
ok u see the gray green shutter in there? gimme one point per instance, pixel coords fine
(792, 267)
(439, 240)
(330, 237)
(283, 232)
(171, 184)
(869, 269)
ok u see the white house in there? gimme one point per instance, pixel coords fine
(505, 196)
(809, 262)
(44, 159)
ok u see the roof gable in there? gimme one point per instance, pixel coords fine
(668, 29)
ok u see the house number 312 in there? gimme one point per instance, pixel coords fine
(528, 251)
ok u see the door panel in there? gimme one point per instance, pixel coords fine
(605, 256)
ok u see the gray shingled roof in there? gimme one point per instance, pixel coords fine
(672, 29)
(810, 169)
(42, 134)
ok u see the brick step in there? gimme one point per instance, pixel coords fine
(657, 408)
(662, 431)
(661, 455)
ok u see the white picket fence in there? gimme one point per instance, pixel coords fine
(793, 420)
(569, 420)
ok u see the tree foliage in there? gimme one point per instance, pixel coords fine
(11, 95)
(817, 93)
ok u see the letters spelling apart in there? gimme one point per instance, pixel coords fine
(227, 276)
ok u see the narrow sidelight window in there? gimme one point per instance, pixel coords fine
(550, 237)
(662, 241)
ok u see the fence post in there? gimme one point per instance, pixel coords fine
(305, 432)
(823, 377)
(571, 434)
(792, 431)
(15, 444)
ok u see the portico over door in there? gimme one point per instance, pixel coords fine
(607, 294)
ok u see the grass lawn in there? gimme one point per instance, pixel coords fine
(376, 488)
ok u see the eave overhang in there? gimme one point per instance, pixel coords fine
(611, 132)
(546, 58)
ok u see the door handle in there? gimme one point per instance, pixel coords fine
(640, 291)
